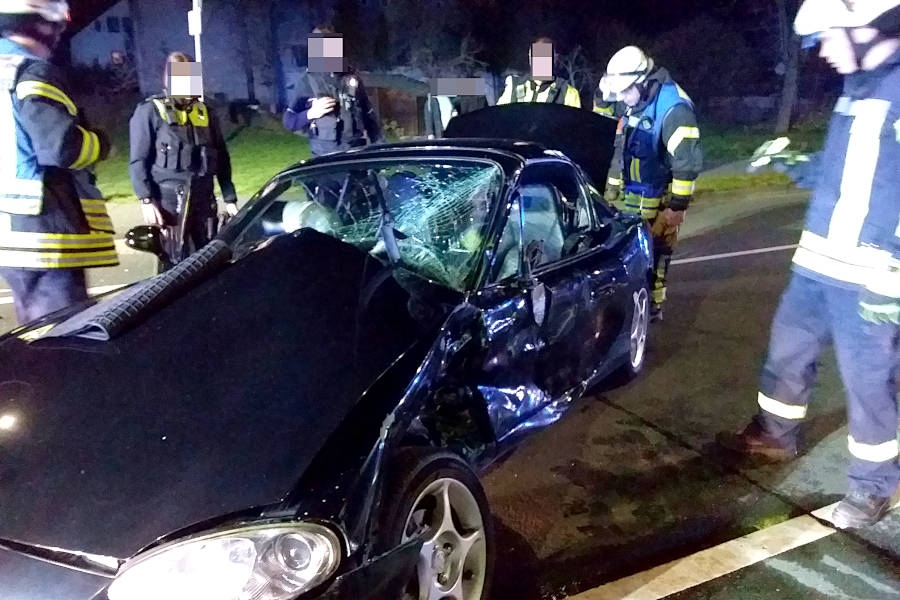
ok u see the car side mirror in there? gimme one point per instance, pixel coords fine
(146, 238)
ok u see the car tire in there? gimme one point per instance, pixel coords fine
(638, 336)
(457, 558)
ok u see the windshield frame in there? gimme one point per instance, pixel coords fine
(260, 202)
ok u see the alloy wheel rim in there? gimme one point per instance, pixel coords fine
(453, 561)
(640, 322)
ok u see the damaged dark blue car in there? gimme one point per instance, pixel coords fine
(300, 409)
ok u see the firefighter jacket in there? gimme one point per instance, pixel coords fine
(178, 145)
(852, 232)
(525, 89)
(353, 122)
(658, 144)
(51, 214)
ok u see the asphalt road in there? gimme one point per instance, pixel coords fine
(630, 478)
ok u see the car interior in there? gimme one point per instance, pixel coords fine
(550, 217)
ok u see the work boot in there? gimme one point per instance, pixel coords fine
(656, 313)
(754, 442)
(858, 509)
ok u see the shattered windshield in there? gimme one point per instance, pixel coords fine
(430, 217)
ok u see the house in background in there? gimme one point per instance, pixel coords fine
(106, 40)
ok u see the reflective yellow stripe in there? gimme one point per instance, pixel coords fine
(873, 452)
(40, 88)
(785, 411)
(648, 208)
(90, 149)
(58, 260)
(614, 181)
(55, 241)
(573, 98)
(659, 294)
(682, 187)
(605, 111)
(681, 134)
(637, 169)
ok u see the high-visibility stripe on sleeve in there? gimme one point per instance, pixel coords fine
(681, 134)
(614, 181)
(873, 452)
(40, 88)
(90, 149)
(573, 98)
(607, 111)
(682, 187)
(780, 409)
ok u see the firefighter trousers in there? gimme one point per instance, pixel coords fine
(664, 239)
(811, 315)
(38, 292)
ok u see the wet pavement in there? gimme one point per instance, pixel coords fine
(630, 478)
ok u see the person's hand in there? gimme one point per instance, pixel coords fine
(231, 208)
(321, 107)
(879, 309)
(152, 214)
(672, 218)
(612, 192)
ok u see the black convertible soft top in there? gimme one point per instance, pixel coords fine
(585, 137)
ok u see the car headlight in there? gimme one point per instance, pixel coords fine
(262, 562)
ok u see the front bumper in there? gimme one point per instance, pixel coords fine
(24, 578)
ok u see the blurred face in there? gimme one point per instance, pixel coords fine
(837, 47)
(631, 96)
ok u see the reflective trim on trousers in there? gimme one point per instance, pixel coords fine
(780, 409)
(874, 452)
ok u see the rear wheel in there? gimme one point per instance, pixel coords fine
(435, 496)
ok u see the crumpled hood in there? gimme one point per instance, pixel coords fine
(216, 403)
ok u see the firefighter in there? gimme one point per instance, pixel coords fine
(531, 89)
(333, 110)
(845, 286)
(177, 149)
(53, 222)
(658, 155)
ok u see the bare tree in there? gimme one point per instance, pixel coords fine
(790, 63)
(577, 69)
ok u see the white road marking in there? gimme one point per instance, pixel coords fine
(712, 563)
(696, 259)
(94, 291)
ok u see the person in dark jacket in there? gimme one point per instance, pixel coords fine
(845, 287)
(333, 110)
(177, 150)
(53, 221)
